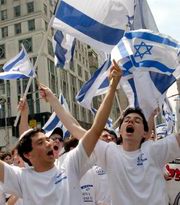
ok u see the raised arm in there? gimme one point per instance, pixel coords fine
(91, 137)
(178, 138)
(66, 118)
(23, 107)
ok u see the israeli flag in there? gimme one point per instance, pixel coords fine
(97, 85)
(109, 121)
(161, 130)
(63, 45)
(54, 121)
(168, 116)
(99, 23)
(150, 66)
(153, 65)
(18, 67)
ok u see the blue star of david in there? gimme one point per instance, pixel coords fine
(142, 49)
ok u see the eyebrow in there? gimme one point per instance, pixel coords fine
(136, 118)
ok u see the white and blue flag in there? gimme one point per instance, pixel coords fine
(18, 67)
(168, 116)
(109, 121)
(99, 23)
(63, 45)
(153, 67)
(55, 122)
(150, 66)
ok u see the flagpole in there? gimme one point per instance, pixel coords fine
(35, 66)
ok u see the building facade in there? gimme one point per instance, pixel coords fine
(26, 21)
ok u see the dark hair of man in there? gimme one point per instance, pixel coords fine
(70, 143)
(137, 111)
(24, 145)
(4, 155)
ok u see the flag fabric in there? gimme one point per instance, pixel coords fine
(63, 46)
(150, 66)
(95, 86)
(168, 116)
(18, 67)
(153, 65)
(161, 130)
(54, 121)
(99, 23)
(109, 121)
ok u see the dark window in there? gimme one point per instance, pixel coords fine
(27, 44)
(30, 7)
(50, 48)
(17, 11)
(4, 32)
(3, 14)
(2, 2)
(31, 25)
(17, 28)
(2, 51)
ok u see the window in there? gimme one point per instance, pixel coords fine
(31, 25)
(2, 2)
(46, 25)
(79, 70)
(50, 48)
(17, 11)
(2, 51)
(4, 32)
(17, 28)
(45, 9)
(27, 44)
(3, 14)
(30, 7)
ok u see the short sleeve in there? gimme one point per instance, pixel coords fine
(165, 150)
(12, 180)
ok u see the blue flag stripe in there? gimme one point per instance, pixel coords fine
(52, 124)
(103, 33)
(12, 64)
(151, 37)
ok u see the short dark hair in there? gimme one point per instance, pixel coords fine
(4, 155)
(137, 111)
(24, 144)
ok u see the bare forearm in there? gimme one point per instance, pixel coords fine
(66, 118)
(178, 138)
(99, 121)
(23, 125)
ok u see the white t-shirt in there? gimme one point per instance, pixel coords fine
(57, 186)
(94, 187)
(136, 178)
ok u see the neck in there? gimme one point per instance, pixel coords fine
(43, 168)
(130, 146)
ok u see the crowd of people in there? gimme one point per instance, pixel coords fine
(93, 167)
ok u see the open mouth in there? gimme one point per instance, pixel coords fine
(50, 153)
(129, 129)
(55, 147)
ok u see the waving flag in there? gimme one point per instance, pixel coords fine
(99, 23)
(63, 45)
(18, 67)
(150, 66)
(54, 121)
(109, 121)
(154, 66)
(169, 117)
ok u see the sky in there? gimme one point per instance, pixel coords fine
(167, 17)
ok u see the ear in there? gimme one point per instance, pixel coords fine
(146, 135)
(27, 155)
